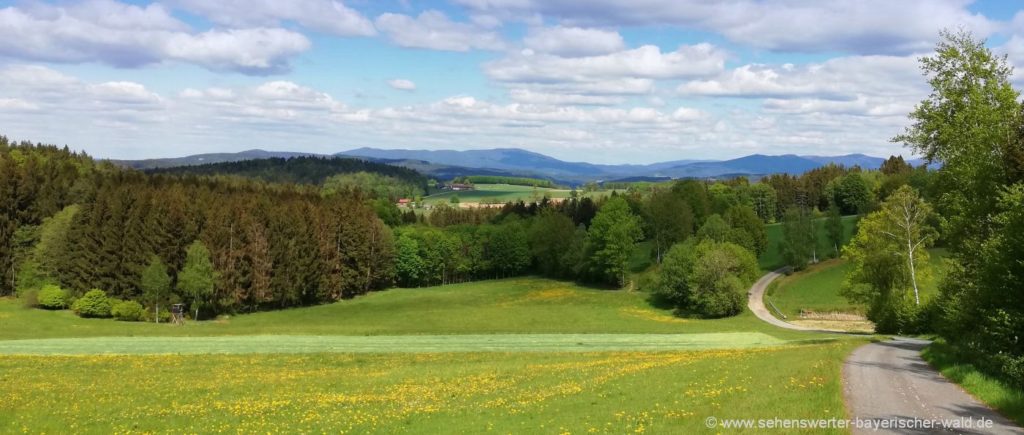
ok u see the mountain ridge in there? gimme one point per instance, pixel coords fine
(445, 164)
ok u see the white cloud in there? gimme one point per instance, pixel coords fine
(573, 41)
(129, 36)
(435, 31)
(114, 118)
(326, 16)
(551, 98)
(16, 104)
(402, 84)
(645, 62)
(841, 78)
(857, 26)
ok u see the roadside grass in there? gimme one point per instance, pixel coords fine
(1009, 401)
(609, 392)
(526, 305)
(818, 288)
(771, 259)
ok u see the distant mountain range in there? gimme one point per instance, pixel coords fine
(446, 164)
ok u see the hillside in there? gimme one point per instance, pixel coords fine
(448, 164)
(299, 169)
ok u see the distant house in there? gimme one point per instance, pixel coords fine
(405, 202)
(460, 187)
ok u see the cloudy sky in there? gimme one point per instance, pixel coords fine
(606, 81)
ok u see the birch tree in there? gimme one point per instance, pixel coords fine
(890, 260)
(905, 219)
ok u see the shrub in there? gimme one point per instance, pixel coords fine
(128, 311)
(93, 304)
(52, 297)
(30, 298)
(165, 315)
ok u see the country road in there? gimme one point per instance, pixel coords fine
(755, 302)
(888, 381)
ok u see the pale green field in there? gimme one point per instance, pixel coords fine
(511, 306)
(502, 193)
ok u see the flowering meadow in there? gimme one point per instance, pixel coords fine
(559, 393)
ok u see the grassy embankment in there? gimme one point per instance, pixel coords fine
(1006, 399)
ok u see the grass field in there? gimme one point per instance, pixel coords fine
(526, 355)
(502, 193)
(818, 288)
(512, 306)
(609, 392)
(771, 259)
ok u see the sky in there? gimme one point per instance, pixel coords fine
(601, 81)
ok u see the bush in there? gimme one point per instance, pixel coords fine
(52, 297)
(898, 314)
(128, 311)
(93, 304)
(30, 298)
(165, 315)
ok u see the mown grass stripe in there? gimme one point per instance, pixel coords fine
(268, 344)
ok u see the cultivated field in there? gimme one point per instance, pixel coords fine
(503, 193)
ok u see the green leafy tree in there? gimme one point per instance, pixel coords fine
(745, 219)
(671, 220)
(706, 278)
(408, 264)
(156, 285)
(834, 227)
(611, 239)
(551, 237)
(970, 123)
(764, 200)
(890, 260)
(715, 229)
(798, 238)
(196, 280)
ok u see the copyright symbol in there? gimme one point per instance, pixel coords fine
(711, 422)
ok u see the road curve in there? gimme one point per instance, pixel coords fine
(755, 301)
(888, 380)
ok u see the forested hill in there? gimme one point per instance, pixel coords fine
(69, 221)
(298, 170)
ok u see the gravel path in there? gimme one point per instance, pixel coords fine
(889, 389)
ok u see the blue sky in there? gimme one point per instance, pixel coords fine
(605, 81)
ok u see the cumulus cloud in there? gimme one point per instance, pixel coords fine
(435, 31)
(326, 16)
(874, 86)
(402, 84)
(645, 62)
(129, 36)
(573, 41)
(857, 26)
